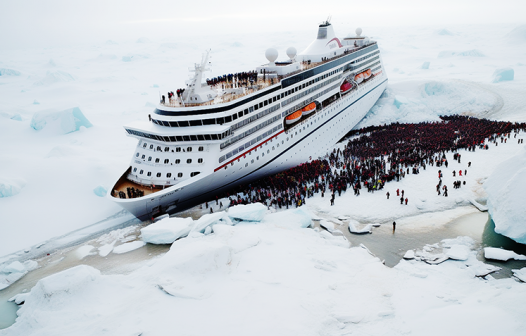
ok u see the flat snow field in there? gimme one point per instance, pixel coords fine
(275, 277)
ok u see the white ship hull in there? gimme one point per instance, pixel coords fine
(306, 140)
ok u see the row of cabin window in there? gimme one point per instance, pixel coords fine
(166, 161)
(217, 121)
(180, 138)
(365, 57)
(302, 86)
(168, 175)
(167, 149)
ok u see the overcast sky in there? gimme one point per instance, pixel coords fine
(43, 22)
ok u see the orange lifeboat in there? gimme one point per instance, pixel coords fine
(292, 118)
(309, 108)
(358, 78)
(345, 87)
(367, 74)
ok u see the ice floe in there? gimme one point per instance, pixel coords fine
(64, 122)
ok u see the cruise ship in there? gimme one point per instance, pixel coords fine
(221, 132)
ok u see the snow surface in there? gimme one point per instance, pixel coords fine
(505, 188)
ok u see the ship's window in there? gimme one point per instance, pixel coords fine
(282, 95)
(177, 161)
(166, 161)
(209, 121)
(195, 122)
(166, 149)
(186, 137)
(193, 137)
(268, 151)
(178, 149)
(183, 123)
(274, 99)
(189, 149)
(149, 174)
(252, 161)
(200, 160)
(234, 116)
(194, 173)
(158, 174)
(134, 169)
(220, 121)
(265, 103)
(144, 146)
(151, 146)
(228, 119)
(200, 137)
(137, 155)
(159, 148)
(143, 156)
(208, 137)
(214, 136)
(142, 171)
(250, 109)
(172, 139)
(149, 158)
(179, 174)
(189, 161)
(168, 174)
(201, 148)
(157, 160)
(256, 107)
(246, 164)
(240, 114)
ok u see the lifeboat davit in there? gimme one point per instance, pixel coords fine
(345, 87)
(367, 74)
(309, 108)
(292, 118)
(358, 78)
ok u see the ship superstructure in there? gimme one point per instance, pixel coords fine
(233, 129)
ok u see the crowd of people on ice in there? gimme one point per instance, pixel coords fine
(376, 155)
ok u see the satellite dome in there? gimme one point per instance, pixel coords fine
(358, 31)
(291, 52)
(271, 54)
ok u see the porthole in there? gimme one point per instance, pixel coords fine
(189, 149)
(143, 156)
(151, 146)
(246, 164)
(201, 148)
(144, 146)
(180, 175)
(252, 161)
(149, 158)
(157, 160)
(159, 148)
(134, 169)
(166, 161)
(149, 174)
(199, 160)
(268, 151)
(166, 149)
(178, 149)
(137, 155)
(189, 161)
(158, 174)
(168, 174)
(142, 171)
(177, 161)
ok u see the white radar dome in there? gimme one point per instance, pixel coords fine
(271, 54)
(291, 52)
(358, 31)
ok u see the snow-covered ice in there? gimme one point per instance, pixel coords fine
(505, 188)
(166, 231)
(501, 75)
(520, 274)
(249, 212)
(128, 247)
(65, 121)
(501, 254)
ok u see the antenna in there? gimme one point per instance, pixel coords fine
(329, 18)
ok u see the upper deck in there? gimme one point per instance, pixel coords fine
(233, 87)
